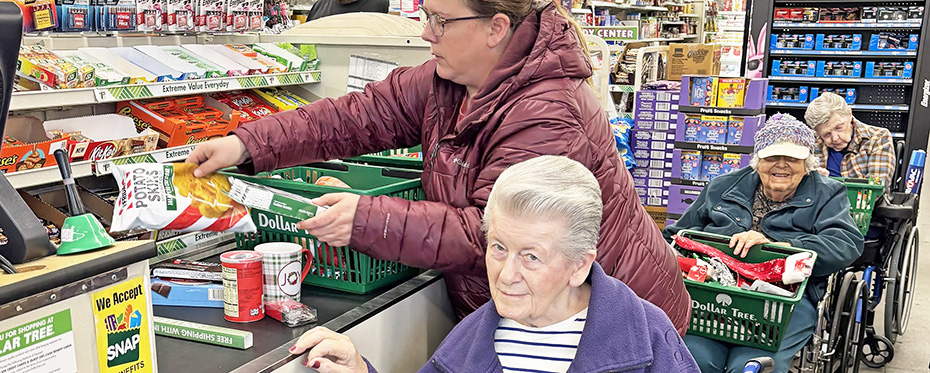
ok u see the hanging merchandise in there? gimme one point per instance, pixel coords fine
(149, 14)
(181, 15)
(116, 15)
(74, 15)
(211, 15)
(237, 15)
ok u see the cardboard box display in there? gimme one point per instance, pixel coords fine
(251, 63)
(893, 41)
(690, 165)
(693, 59)
(159, 69)
(189, 69)
(735, 130)
(839, 42)
(692, 127)
(232, 68)
(50, 69)
(713, 129)
(792, 42)
(788, 94)
(794, 68)
(680, 197)
(211, 70)
(839, 69)
(104, 75)
(37, 148)
(103, 136)
(849, 94)
(272, 65)
(178, 127)
(704, 91)
(288, 59)
(249, 106)
(135, 73)
(711, 165)
(282, 99)
(731, 92)
(889, 69)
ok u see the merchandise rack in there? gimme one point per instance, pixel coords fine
(893, 103)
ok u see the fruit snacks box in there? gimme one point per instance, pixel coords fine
(280, 99)
(713, 129)
(690, 165)
(735, 130)
(50, 69)
(731, 162)
(703, 91)
(731, 92)
(692, 125)
(711, 165)
(104, 75)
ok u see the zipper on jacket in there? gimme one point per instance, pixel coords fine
(432, 157)
(438, 367)
(630, 368)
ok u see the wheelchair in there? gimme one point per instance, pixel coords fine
(845, 335)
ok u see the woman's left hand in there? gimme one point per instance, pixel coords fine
(333, 226)
(329, 352)
(743, 241)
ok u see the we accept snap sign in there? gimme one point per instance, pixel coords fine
(122, 327)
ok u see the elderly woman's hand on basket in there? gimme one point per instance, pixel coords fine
(741, 242)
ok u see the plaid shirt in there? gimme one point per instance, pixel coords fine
(870, 152)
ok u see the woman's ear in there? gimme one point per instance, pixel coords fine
(500, 29)
(581, 269)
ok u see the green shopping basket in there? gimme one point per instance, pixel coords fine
(862, 198)
(401, 158)
(333, 267)
(738, 316)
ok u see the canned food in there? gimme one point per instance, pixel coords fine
(242, 286)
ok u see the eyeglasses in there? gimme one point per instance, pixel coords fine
(437, 24)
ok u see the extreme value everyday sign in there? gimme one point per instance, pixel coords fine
(39, 346)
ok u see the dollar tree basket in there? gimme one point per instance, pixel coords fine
(862, 197)
(411, 158)
(735, 315)
(333, 267)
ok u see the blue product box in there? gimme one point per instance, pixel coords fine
(889, 69)
(839, 69)
(194, 294)
(691, 165)
(711, 165)
(839, 42)
(890, 41)
(692, 128)
(731, 162)
(787, 94)
(713, 129)
(792, 42)
(734, 130)
(848, 93)
(703, 91)
(794, 68)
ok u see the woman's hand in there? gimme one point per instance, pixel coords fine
(743, 241)
(329, 352)
(218, 154)
(823, 171)
(333, 226)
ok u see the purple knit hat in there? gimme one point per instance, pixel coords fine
(783, 135)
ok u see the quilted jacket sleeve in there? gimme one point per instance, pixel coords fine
(436, 235)
(387, 115)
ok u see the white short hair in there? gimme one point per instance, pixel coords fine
(825, 107)
(810, 164)
(551, 187)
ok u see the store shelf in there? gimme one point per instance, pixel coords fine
(731, 13)
(46, 175)
(607, 4)
(857, 81)
(804, 105)
(690, 183)
(911, 25)
(656, 40)
(621, 88)
(669, 3)
(689, 16)
(89, 96)
(710, 110)
(782, 52)
(673, 22)
(689, 36)
(713, 147)
(581, 11)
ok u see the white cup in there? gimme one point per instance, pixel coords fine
(281, 269)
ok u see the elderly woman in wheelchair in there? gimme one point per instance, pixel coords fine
(781, 199)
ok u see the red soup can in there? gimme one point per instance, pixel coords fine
(242, 286)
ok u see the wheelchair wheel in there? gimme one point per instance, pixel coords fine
(836, 346)
(854, 332)
(876, 351)
(903, 272)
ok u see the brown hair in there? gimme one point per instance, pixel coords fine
(517, 10)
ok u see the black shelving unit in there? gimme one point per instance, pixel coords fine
(893, 103)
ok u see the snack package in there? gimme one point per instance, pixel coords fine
(168, 196)
(290, 312)
(332, 181)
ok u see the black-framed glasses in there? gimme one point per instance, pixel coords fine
(437, 24)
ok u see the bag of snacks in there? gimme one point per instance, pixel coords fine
(168, 196)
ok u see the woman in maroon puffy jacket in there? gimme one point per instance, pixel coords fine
(508, 83)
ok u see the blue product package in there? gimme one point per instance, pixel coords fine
(702, 91)
(711, 165)
(186, 293)
(713, 129)
(692, 128)
(731, 162)
(734, 130)
(915, 171)
(691, 165)
(621, 130)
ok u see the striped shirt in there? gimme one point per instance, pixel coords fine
(869, 153)
(548, 349)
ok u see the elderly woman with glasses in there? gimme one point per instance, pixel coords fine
(781, 198)
(552, 308)
(507, 82)
(848, 147)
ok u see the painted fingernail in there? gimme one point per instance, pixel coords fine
(293, 348)
(316, 364)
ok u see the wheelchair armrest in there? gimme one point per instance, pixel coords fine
(897, 206)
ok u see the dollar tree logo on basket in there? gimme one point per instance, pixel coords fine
(722, 306)
(277, 222)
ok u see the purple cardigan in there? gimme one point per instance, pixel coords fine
(623, 333)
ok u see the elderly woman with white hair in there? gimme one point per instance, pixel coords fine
(552, 307)
(781, 198)
(848, 147)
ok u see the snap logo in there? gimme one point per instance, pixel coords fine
(724, 300)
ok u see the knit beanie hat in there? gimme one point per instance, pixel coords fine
(783, 135)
